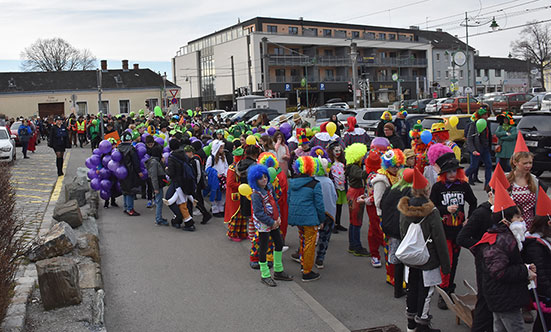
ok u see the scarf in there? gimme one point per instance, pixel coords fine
(392, 178)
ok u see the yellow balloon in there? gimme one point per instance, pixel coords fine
(331, 128)
(251, 140)
(245, 190)
(163, 136)
(454, 121)
(226, 134)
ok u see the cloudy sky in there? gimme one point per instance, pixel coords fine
(150, 32)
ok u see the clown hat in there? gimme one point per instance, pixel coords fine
(419, 181)
(502, 198)
(301, 136)
(521, 144)
(499, 176)
(543, 206)
(438, 127)
(407, 175)
(373, 161)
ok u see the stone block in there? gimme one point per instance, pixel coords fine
(76, 191)
(90, 276)
(13, 324)
(88, 245)
(60, 240)
(58, 280)
(16, 309)
(68, 212)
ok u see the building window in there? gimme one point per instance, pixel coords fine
(498, 72)
(382, 36)
(355, 34)
(82, 108)
(447, 74)
(329, 75)
(392, 37)
(295, 51)
(438, 74)
(437, 56)
(104, 107)
(293, 30)
(272, 28)
(280, 75)
(278, 51)
(124, 106)
(461, 74)
(327, 32)
(370, 35)
(295, 76)
(327, 52)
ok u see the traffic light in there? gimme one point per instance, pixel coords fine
(350, 87)
(147, 103)
(236, 93)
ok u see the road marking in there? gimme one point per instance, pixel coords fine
(29, 196)
(32, 189)
(32, 183)
(59, 182)
(33, 178)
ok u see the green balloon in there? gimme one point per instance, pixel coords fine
(207, 149)
(249, 132)
(230, 138)
(158, 111)
(257, 135)
(189, 112)
(273, 173)
(481, 124)
(94, 122)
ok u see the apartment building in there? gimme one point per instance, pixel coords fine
(290, 58)
(503, 75)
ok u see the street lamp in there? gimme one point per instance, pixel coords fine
(494, 24)
(188, 79)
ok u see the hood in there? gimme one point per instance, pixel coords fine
(216, 146)
(351, 121)
(414, 211)
(297, 183)
(180, 154)
(243, 165)
(125, 147)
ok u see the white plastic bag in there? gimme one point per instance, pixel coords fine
(413, 250)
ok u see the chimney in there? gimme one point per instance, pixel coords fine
(136, 66)
(438, 29)
(125, 65)
(104, 65)
(414, 27)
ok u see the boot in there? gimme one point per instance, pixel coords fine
(424, 325)
(189, 226)
(399, 281)
(59, 164)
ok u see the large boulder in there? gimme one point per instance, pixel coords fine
(77, 192)
(58, 280)
(90, 276)
(88, 245)
(60, 240)
(68, 212)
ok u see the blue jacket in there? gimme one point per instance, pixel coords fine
(305, 202)
(213, 189)
(24, 133)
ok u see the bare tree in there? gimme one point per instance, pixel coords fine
(535, 46)
(56, 54)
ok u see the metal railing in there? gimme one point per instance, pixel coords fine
(336, 61)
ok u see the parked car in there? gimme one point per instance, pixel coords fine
(510, 102)
(419, 106)
(536, 128)
(287, 117)
(395, 106)
(537, 90)
(412, 119)
(407, 104)
(13, 129)
(434, 106)
(323, 114)
(368, 118)
(488, 98)
(270, 115)
(458, 105)
(546, 102)
(457, 134)
(345, 114)
(213, 113)
(227, 115)
(343, 105)
(246, 114)
(533, 104)
(7, 146)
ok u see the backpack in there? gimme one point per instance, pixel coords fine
(413, 250)
(202, 179)
(188, 175)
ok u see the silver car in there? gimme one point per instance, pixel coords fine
(434, 106)
(7, 146)
(368, 118)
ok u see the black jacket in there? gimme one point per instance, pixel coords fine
(155, 151)
(537, 252)
(355, 176)
(504, 274)
(175, 169)
(396, 142)
(242, 172)
(391, 216)
(59, 137)
(131, 184)
(478, 141)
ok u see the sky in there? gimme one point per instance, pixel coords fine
(150, 32)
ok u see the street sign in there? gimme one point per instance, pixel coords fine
(358, 93)
(468, 90)
(268, 93)
(322, 86)
(524, 84)
(174, 101)
(173, 92)
(459, 58)
(287, 87)
(534, 71)
(395, 77)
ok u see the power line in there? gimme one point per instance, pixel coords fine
(385, 11)
(510, 28)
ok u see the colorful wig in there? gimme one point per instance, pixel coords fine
(306, 166)
(402, 183)
(322, 165)
(437, 150)
(354, 153)
(393, 158)
(461, 176)
(255, 173)
(386, 116)
(318, 151)
(268, 159)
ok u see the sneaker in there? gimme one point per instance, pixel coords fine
(285, 248)
(165, 202)
(106, 205)
(425, 328)
(127, 212)
(149, 204)
(376, 262)
(361, 252)
(206, 218)
(175, 225)
(341, 228)
(162, 222)
(196, 213)
(254, 265)
(188, 227)
(310, 276)
(411, 325)
(133, 213)
(268, 282)
(441, 303)
(296, 257)
(319, 264)
(335, 230)
(351, 250)
(282, 276)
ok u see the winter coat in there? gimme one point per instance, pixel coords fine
(59, 137)
(390, 214)
(380, 183)
(507, 142)
(355, 176)
(259, 208)
(305, 199)
(479, 141)
(538, 252)
(156, 172)
(396, 142)
(24, 133)
(431, 226)
(175, 169)
(155, 151)
(402, 130)
(504, 274)
(131, 184)
(329, 195)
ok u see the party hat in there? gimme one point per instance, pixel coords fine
(419, 181)
(521, 144)
(543, 206)
(502, 198)
(499, 176)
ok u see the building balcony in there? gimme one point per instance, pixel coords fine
(341, 79)
(336, 61)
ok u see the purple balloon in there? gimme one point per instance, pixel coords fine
(105, 146)
(138, 145)
(144, 135)
(380, 143)
(105, 195)
(104, 173)
(160, 141)
(141, 152)
(166, 155)
(105, 160)
(166, 149)
(255, 130)
(287, 135)
(145, 174)
(106, 185)
(92, 174)
(121, 173)
(271, 131)
(95, 184)
(116, 155)
(97, 152)
(285, 128)
(88, 163)
(112, 165)
(95, 160)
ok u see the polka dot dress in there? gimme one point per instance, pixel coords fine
(526, 201)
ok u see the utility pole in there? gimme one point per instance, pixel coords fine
(364, 93)
(368, 93)
(306, 72)
(99, 77)
(232, 82)
(467, 56)
(353, 57)
(265, 63)
(164, 93)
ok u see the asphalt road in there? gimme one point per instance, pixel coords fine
(162, 279)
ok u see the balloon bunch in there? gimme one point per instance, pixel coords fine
(105, 170)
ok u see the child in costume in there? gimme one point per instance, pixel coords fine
(336, 156)
(306, 211)
(237, 223)
(441, 135)
(217, 169)
(433, 153)
(387, 175)
(449, 195)
(356, 178)
(375, 234)
(323, 138)
(418, 147)
(354, 134)
(266, 221)
(303, 145)
(386, 117)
